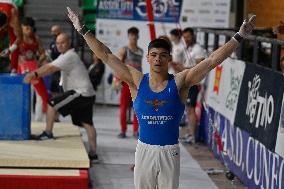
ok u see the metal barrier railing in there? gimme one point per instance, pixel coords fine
(254, 42)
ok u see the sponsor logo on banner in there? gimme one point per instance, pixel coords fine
(259, 109)
(259, 104)
(163, 10)
(232, 97)
(224, 83)
(244, 155)
(115, 9)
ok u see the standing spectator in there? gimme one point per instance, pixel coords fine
(193, 54)
(131, 55)
(78, 97)
(55, 31)
(31, 56)
(10, 36)
(177, 50)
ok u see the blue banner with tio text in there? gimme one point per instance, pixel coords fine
(259, 104)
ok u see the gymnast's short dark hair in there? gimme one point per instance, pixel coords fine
(160, 43)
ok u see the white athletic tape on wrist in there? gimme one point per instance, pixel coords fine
(13, 47)
(84, 31)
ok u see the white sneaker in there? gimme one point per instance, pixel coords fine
(189, 140)
(185, 136)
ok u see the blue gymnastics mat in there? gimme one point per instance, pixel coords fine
(15, 110)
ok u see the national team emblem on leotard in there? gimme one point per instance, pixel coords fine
(156, 103)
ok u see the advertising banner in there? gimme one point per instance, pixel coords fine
(244, 155)
(163, 10)
(223, 88)
(205, 13)
(259, 104)
(115, 9)
(189, 13)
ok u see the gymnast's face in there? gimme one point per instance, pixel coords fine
(158, 58)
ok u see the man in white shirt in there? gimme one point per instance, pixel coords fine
(78, 97)
(185, 55)
(193, 54)
(178, 48)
